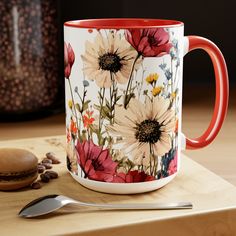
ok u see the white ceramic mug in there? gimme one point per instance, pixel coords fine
(123, 82)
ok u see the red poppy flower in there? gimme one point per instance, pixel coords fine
(71, 55)
(96, 163)
(149, 42)
(133, 176)
(87, 119)
(173, 166)
(67, 71)
(69, 58)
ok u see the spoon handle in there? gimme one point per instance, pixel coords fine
(141, 206)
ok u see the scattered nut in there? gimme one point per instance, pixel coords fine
(52, 156)
(49, 174)
(52, 174)
(45, 178)
(56, 161)
(41, 168)
(36, 185)
(47, 165)
(46, 160)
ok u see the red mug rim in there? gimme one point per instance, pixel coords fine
(123, 23)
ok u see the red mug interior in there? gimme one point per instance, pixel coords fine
(123, 23)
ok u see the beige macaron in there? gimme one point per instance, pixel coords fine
(18, 168)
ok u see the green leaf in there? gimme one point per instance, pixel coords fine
(107, 104)
(97, 107)
(133, 88)
(100, 95)
(94, 129)
(103, 132)
(77, 106)
(145, 92)
(130, 163)
(118, 98)
(85, 105)
(106, 113)
(106, 109)
(129, 96)
(104, 141)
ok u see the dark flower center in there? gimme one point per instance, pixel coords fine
(110, 61)
(96, 165)
(148, 131)
(151, 40)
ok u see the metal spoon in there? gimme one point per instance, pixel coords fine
(49, 203)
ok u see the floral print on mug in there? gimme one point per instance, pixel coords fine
(122, 118)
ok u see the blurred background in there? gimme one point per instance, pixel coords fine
(208, 18)
(31, 47)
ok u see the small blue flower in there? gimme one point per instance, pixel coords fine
(168, 74)
(175, 43)
(163, 66)
(172, 54)
(178, 62)
(85, 83)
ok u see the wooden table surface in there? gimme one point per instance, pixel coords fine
(213, 199)
(220, 156)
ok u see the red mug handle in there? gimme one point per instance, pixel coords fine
(222, 90)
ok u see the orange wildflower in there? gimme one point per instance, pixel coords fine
(88, 119)
(176, 126)
(73, 127)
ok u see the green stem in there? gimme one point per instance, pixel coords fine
(176, 85)
(79, 96)
(81, 110)
(73, 101)
(88, 133)
(154, 166)
(100, 118)
(114, 95)
(171, 75)
(175, 74)
(141, 83)
(130, 78)
(83, 97)
(79, 123)
(150, 161)
(111, 97)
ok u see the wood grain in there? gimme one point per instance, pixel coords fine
(213, 198)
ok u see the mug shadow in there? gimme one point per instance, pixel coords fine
(81, 193)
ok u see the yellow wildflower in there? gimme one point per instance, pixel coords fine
(70, 104)
(173, 95)
(151, 78)
(156, 91)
